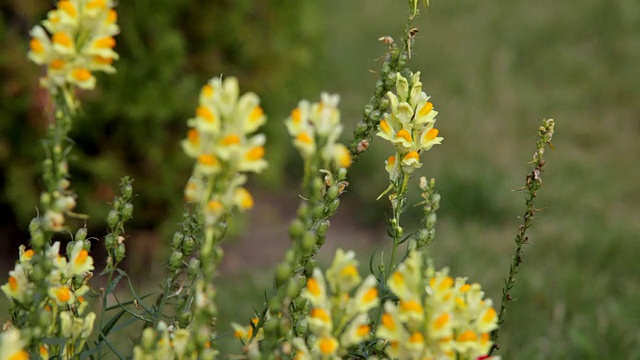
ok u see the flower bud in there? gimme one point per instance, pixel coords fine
(126, 190)
(317, 184)
(296, 229)
(379, 87)
(175, 259)
(334, 206)
(362, 126)
(322, 228)
(271, 326)
(112, 219)
(333, 192)
(308, 241)
(177, 239)
(431, 220)
(274, 305)
(120, 252)
(342, 174)
(127, 211)
(318, 211)
(303, 211)
(45, 199)
(283, 272)
(110, 241)
(185, 318)
(289, 256)
(188, 245)
(81, 234)
(311, 264)
(375, 116)
(368, 109)
(193, 268)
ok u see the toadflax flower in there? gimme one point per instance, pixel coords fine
(409, 125)
(436, 316)
(339, 309)
(12, 346)
(74, 41)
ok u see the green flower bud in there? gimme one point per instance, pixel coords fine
(175, 259)
(300, 302)
(185, 318)
(375, 116)
(120, 252)
(45, 199)
(177, 239)
(193, 268)
(317, 185)
(303, 211)
(47, 164)
(127, 211)
(112, 219)
(271, 326)
(362, 126)
(342, 174)
(274, 305)
(70, 245)
(296, 229)
(64, 184)
(81, 234)
(126, 190)
(431, 220)
(63, 168)
(218, 253)
(301, 327)
(422, 235)
(333, 192)
(188, 245)
(289, 256)
(379, 87)
(308, 242)
(334, 206)
(283, 272)
(435, 199)
(323, 226)
(110, 241)
(311, 264)
(318, 211)
(293, 288)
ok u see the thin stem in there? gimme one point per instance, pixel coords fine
(533, 183)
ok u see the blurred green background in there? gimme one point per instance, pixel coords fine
(493, 69)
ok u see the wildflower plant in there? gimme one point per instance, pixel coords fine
(405, 310)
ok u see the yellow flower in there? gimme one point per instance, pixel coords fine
(18, 286)
(12, 346)
(343, 274)
(80, 262)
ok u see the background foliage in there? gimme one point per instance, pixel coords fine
(494, 70)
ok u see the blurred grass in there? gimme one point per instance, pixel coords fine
(494, 69)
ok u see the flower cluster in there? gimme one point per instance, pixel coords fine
(338, 318)
(436, 316)
(409, 126)
(66, 314)
(316, 127)
(220, 139)
(79, 41)
(168, 343)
